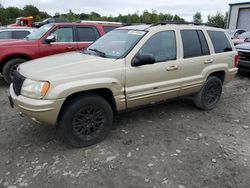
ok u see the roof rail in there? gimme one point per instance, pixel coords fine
(100, 22)
(177, 22)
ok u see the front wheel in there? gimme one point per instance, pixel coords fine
(86, 120)
(10, 67)
(209, 95)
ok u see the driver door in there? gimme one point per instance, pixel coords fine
(64, 42)
(151, 83)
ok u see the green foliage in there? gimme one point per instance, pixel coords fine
(8, 15)
(197, 18)
(218, 20)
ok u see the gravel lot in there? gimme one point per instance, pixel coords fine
(168, 145)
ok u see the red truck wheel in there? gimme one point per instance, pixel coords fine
(10, 67)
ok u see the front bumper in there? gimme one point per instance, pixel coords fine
(43, 111)
(244, 64)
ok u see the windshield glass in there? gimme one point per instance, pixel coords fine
(244, 35)
(115, 44)
(39, 32)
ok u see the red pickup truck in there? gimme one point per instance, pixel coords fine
(50, 39)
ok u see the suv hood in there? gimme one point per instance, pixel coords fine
(244, 46)
(65, 66)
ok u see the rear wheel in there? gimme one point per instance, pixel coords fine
(86, 120)
(10, 67)
(209, 95)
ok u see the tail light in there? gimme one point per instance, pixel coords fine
(236, 60)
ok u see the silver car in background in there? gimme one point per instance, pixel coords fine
(15, 33)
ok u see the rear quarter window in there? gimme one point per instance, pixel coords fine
(109, 28)
(220, 41)
(87, 34)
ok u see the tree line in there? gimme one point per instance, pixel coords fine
(8, 15)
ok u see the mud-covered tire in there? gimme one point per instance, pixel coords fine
(208, 97)
(86, 120)
(10, 67)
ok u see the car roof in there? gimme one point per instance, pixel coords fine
(83, 24)
(150, 27)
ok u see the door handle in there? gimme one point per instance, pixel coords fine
(171, 68)
(70, 47)
(208, 61)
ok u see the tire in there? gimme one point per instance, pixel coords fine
(10, 67)
(79, 118)
(209, 95)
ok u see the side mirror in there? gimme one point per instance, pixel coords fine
(50, 39)
(143, 59)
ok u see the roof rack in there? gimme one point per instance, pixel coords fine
(177, 22)
(100, 22)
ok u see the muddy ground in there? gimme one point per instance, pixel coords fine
(168, 145)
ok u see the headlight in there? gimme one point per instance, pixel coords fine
(34, 89)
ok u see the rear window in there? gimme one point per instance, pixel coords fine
(109, 28)
(19, 34)
(194, 43)
(220, 41)
(87, 34)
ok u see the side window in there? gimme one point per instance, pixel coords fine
(109, 28)
(194, 43)
(5, 35)
(63, 34)
(87, 34)
(19, 34)
(162, 45)
(220, 41)
(203, 41)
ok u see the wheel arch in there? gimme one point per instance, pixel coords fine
(219, 74)
(106, 93)
(13, 56)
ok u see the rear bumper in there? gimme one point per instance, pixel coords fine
(231, 74)
(42, 111)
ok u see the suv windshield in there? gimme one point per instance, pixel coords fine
(39, 32)
(115, 44)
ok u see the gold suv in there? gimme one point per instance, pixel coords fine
(128, 67)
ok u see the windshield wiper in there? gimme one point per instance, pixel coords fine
(102, 54)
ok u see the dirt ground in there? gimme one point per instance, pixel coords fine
(168, 145)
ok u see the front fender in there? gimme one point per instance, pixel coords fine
(68, 88)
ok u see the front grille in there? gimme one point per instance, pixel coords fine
(18, 80)
(244, 55)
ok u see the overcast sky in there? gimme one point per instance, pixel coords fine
(184, 8)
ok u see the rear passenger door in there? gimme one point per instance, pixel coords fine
(196, 56)
(86, 36)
